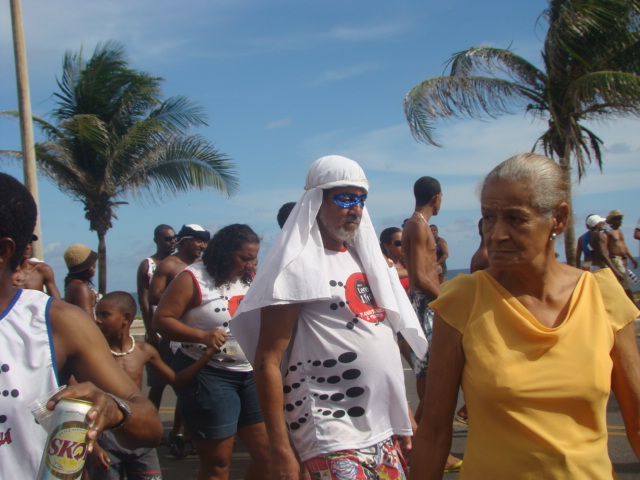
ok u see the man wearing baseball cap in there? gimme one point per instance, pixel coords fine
(594, 224)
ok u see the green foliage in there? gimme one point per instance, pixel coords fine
(112, 137)
(591, 67)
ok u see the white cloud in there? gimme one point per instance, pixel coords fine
(347, 72)
(275, 124)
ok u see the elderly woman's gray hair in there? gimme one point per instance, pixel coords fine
(541, 174)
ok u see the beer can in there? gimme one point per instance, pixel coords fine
(66, 448)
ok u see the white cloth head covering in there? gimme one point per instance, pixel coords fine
(293, 271)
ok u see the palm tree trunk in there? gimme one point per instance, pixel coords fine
(570, 232)
(102, 263)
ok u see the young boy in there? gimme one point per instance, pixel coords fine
(114, 315)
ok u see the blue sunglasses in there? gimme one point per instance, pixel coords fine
(348, 200)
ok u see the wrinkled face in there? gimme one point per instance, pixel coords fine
(193, 247)
(109, 318)
(336, 221)
(244, 260)
(515, 233)
(166, 240)
(394, 247)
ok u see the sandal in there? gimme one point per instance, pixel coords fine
(454, 468)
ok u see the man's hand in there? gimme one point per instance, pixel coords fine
(284, 464)
(103, 414)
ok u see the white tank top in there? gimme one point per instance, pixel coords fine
(216, 306)
(27, 371)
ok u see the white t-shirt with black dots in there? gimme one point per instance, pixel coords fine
(215, 307)
(342, 374)
(27, 372)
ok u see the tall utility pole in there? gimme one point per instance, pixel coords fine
(26, 125)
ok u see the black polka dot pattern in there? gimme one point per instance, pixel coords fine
(342, 397)
(5, 368)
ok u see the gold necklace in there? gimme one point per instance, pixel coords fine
(422, 217)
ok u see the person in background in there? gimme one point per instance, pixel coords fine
(618, 251)
(192, 240)
(442, 253)
(284, 212)
(78, 285)
(391, 245)
(221, 401)
(586, 242)
(165, 239)
(110, 460)
(43, 342)
(536, 344)
(34, 274)
(419, 247)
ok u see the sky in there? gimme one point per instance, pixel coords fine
(284, 82)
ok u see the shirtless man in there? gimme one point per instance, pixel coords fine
(43, 342)
(192, 240)
(34, 274)
(419, 247)
(164, 237)
(618, 251)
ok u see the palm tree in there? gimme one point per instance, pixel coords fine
(112, 136)
(591, 61)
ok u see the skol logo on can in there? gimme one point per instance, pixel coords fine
(66, 449)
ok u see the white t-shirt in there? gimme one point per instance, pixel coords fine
(342, 373)
(27, 371)
(216, 306)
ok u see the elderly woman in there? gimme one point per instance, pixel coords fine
(78, 285)
(536, 344)
(221, 401)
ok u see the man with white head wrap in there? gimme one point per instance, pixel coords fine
(319, 325)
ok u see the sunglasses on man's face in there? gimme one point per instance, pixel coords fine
(169, 239)
(616, 218)
(348, 200)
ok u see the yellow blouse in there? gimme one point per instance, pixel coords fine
(536, 396)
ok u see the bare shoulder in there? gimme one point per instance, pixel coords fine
(147, 349)
(171, 265)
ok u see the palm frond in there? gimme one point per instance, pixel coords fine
(606, 93)
(184, 164)
(179, 113)
(489, 61)
(455, 96)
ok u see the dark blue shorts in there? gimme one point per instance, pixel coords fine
(216, 403)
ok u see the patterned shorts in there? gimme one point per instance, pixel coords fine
(377, 462)
(420, 304)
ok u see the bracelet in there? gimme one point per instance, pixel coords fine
(123, 407)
